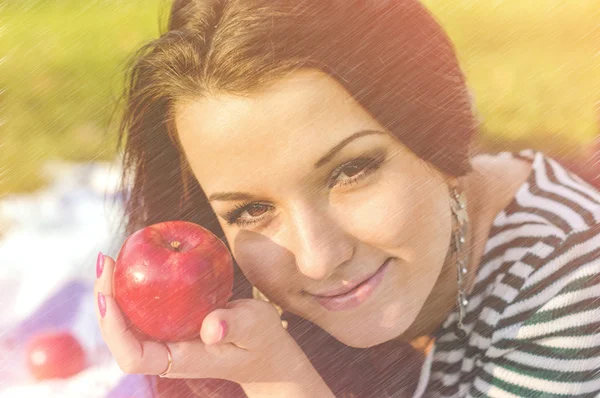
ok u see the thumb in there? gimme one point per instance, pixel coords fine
(248, 323)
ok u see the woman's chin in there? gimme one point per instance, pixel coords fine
(362, 337)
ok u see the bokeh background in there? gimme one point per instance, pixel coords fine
(532, 65)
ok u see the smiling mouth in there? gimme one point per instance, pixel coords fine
(351, 286)
(357, 295)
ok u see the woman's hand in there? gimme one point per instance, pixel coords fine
(244, 342)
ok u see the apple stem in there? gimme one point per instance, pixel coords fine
(175, 244)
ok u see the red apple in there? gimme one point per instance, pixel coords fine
(169, 276)
(54, 354)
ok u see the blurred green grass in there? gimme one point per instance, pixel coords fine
(533, 65)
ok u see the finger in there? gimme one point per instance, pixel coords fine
(247, 323)
(131, 354)
(194, 359)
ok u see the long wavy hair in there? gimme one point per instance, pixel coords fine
(393, 58)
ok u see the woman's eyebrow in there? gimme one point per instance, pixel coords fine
(231, 196)
(333, 151)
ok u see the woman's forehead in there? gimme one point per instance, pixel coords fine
(288, 123)
(297, 99)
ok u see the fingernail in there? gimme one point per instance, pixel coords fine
(223, 330)
(101, 304)
(99, 264)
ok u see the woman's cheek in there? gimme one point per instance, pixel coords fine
(379, 216)
(263, 262)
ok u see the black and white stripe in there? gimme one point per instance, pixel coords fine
(533, 319)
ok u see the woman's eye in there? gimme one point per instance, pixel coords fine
(351, 171)
(255, 211)
(354, 171)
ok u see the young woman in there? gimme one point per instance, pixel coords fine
(328, 142)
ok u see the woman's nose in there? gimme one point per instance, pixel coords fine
(320, 245)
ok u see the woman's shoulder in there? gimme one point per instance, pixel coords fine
(546, 238)
(534, 313)
(545, 242)
(551, 198)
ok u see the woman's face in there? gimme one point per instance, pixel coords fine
(315, 197)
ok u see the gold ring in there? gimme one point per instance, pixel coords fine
(170, 357)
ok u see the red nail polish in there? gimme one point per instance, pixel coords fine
(101, 304)
(99, 264)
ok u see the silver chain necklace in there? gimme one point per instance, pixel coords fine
(458, 203)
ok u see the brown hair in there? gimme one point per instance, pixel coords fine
(392, 57)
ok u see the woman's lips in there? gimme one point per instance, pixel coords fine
(357, 295)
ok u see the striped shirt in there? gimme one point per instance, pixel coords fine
(533, 318)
